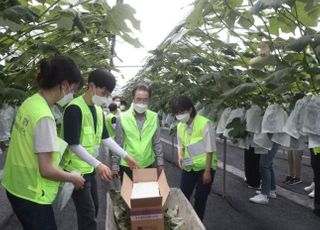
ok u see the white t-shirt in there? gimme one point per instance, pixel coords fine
(45, 136)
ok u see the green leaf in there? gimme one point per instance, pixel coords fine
(118, 16)
(19, 14)
(196, 17)
(309, 17)
(246, 20)
(79, 59)
(318, 51)
(299, 44)
(242, 89)
(79, 23)
(13, 94)
(11, 24)
(280, 75)
(44, 48)
(133, 41)
(237, 128)
(264, 4)
(234, 3)
(66, 19)
(257, 74)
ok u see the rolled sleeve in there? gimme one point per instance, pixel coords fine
(209, 138)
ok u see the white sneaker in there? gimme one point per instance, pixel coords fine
(260, 199)
(309, 188)
(311, 194)
(272, 194)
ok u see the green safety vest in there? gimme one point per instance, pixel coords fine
(139, 145)
(22, 176)
(110, 129)
(89, 138)
(193, 145)
(316, 150)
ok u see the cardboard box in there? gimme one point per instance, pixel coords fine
(146, 213)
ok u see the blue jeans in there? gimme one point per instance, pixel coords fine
(266, 170)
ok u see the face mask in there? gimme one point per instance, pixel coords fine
(140, 108)
(65, 100)
(184, 118)
(117, 103)
(122, 107)
(101, 101)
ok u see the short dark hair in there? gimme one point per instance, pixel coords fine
(103, 79)
(183, 103)
(141, 87)
(112, 107)
(55, 70)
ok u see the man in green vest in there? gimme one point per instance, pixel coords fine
(196, 153)
(84, 130)
(117, 100)
(138, 131)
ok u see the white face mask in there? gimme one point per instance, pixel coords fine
(65, 100)
(140, 108)
(117, 103)
(122, 107)
(101, 101)
(184, 118)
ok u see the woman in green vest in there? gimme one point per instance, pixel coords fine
(196, 152)
(31, 173)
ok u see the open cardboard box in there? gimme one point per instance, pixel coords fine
(146, 213)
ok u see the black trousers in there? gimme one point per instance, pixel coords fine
(86, 203)
(193, 180)
(251, 167)
(315, 163)
(32, 216)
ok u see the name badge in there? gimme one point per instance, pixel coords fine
(187, 162)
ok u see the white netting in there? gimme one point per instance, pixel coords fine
(311, 124)
(262, 140)
(7, 114)
(274, 119)
(313, 140)
(283, 139)
(222, 122)
(294, 124)
(254, 119)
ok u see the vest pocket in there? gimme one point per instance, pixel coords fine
(88, 137)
